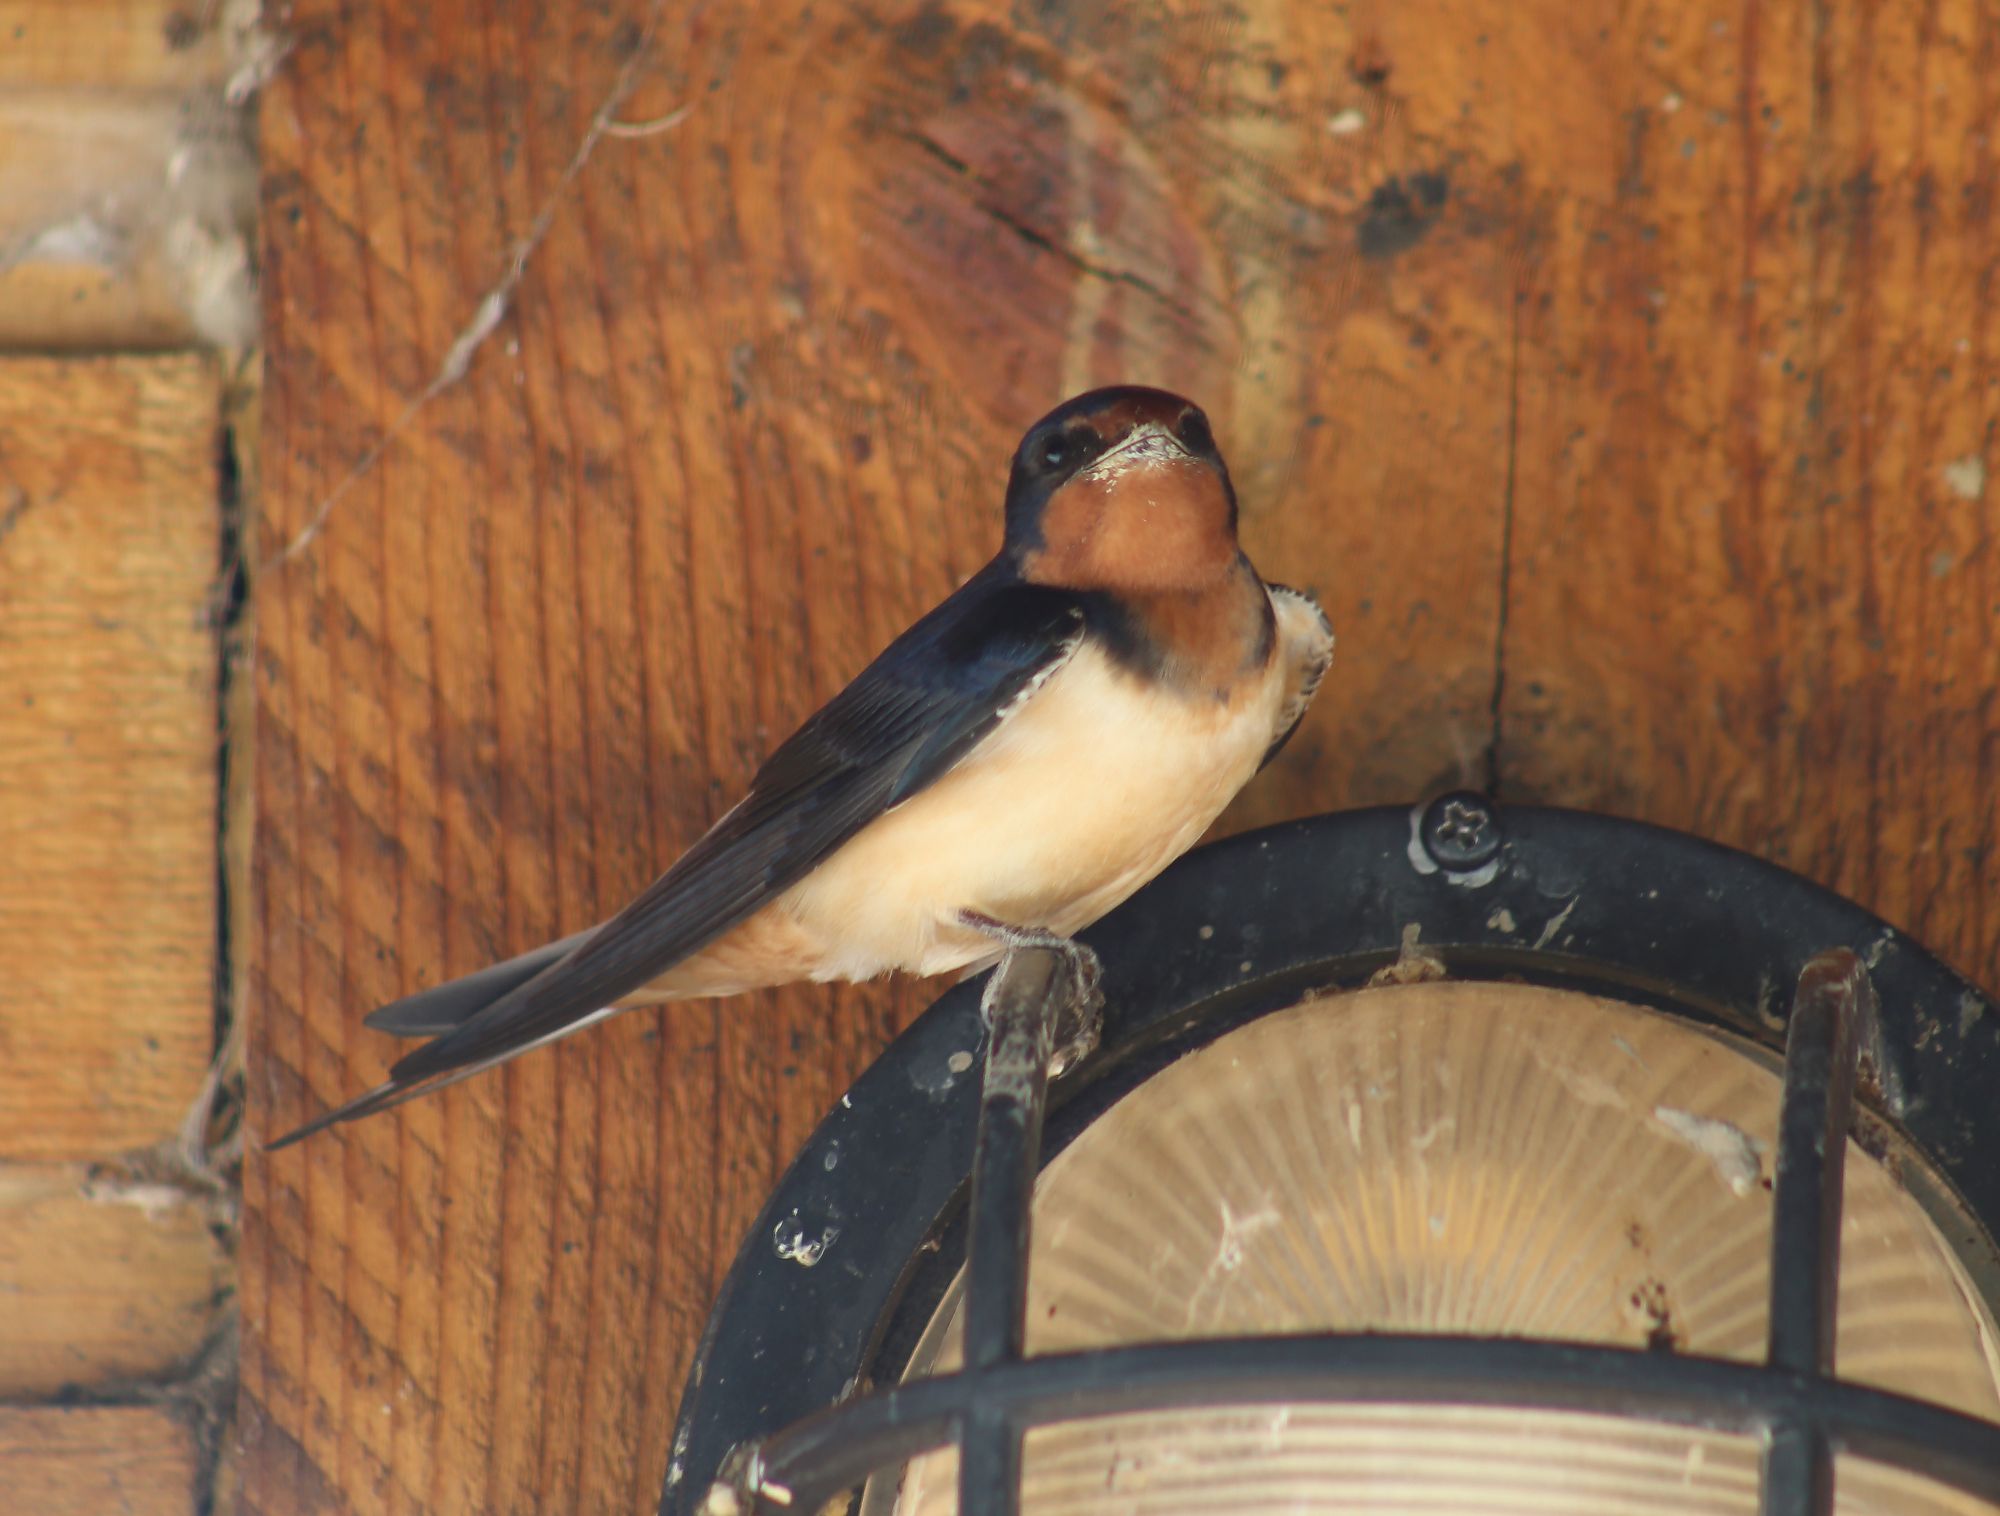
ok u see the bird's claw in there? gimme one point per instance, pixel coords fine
(1080, 1022)
(1080, 1019)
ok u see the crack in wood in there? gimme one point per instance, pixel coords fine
(1497, 709)
(493, 305)
(984, 202)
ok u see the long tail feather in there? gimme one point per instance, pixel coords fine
(435, 1013)
(402, 1085)
(444, 1007)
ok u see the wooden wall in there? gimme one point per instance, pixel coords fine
(1623, 377)
(118, 153)
(116, 1257)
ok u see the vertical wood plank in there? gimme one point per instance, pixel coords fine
(1754, 585)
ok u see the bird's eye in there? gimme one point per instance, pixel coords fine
(1195, 433)
(1065, 450)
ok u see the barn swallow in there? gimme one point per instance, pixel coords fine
(1018, 762)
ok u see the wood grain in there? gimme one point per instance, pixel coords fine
(143, 45)
(1756, 576)
(1512, 376)
(90, 1460)
(102, 1281)
(109, 536)
(59, 306)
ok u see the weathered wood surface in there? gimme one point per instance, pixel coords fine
(102, 1281)
(1624, 378)
(110, 534)
(130, 46)
(92, 1460)
(125, 178)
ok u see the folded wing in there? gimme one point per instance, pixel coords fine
(907, 719)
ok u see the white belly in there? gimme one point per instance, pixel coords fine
(1086, 792)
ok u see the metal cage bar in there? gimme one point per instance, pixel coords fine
(1833, 1004)
(815, 1460)
(1022, 1001)
(1803, 1412)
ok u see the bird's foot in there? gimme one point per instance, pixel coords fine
(1080, 1021)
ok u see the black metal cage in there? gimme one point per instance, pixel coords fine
(915, 1173)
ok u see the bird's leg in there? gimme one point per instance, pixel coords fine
(1080, 1020)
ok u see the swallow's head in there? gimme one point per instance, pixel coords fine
(1122, 490)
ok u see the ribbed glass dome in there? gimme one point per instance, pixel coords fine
(1498, 1159)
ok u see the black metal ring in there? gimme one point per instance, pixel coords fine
(1241, 928)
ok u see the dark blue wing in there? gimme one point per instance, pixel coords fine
(910, 715)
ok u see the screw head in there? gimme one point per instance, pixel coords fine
(1460, 831)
